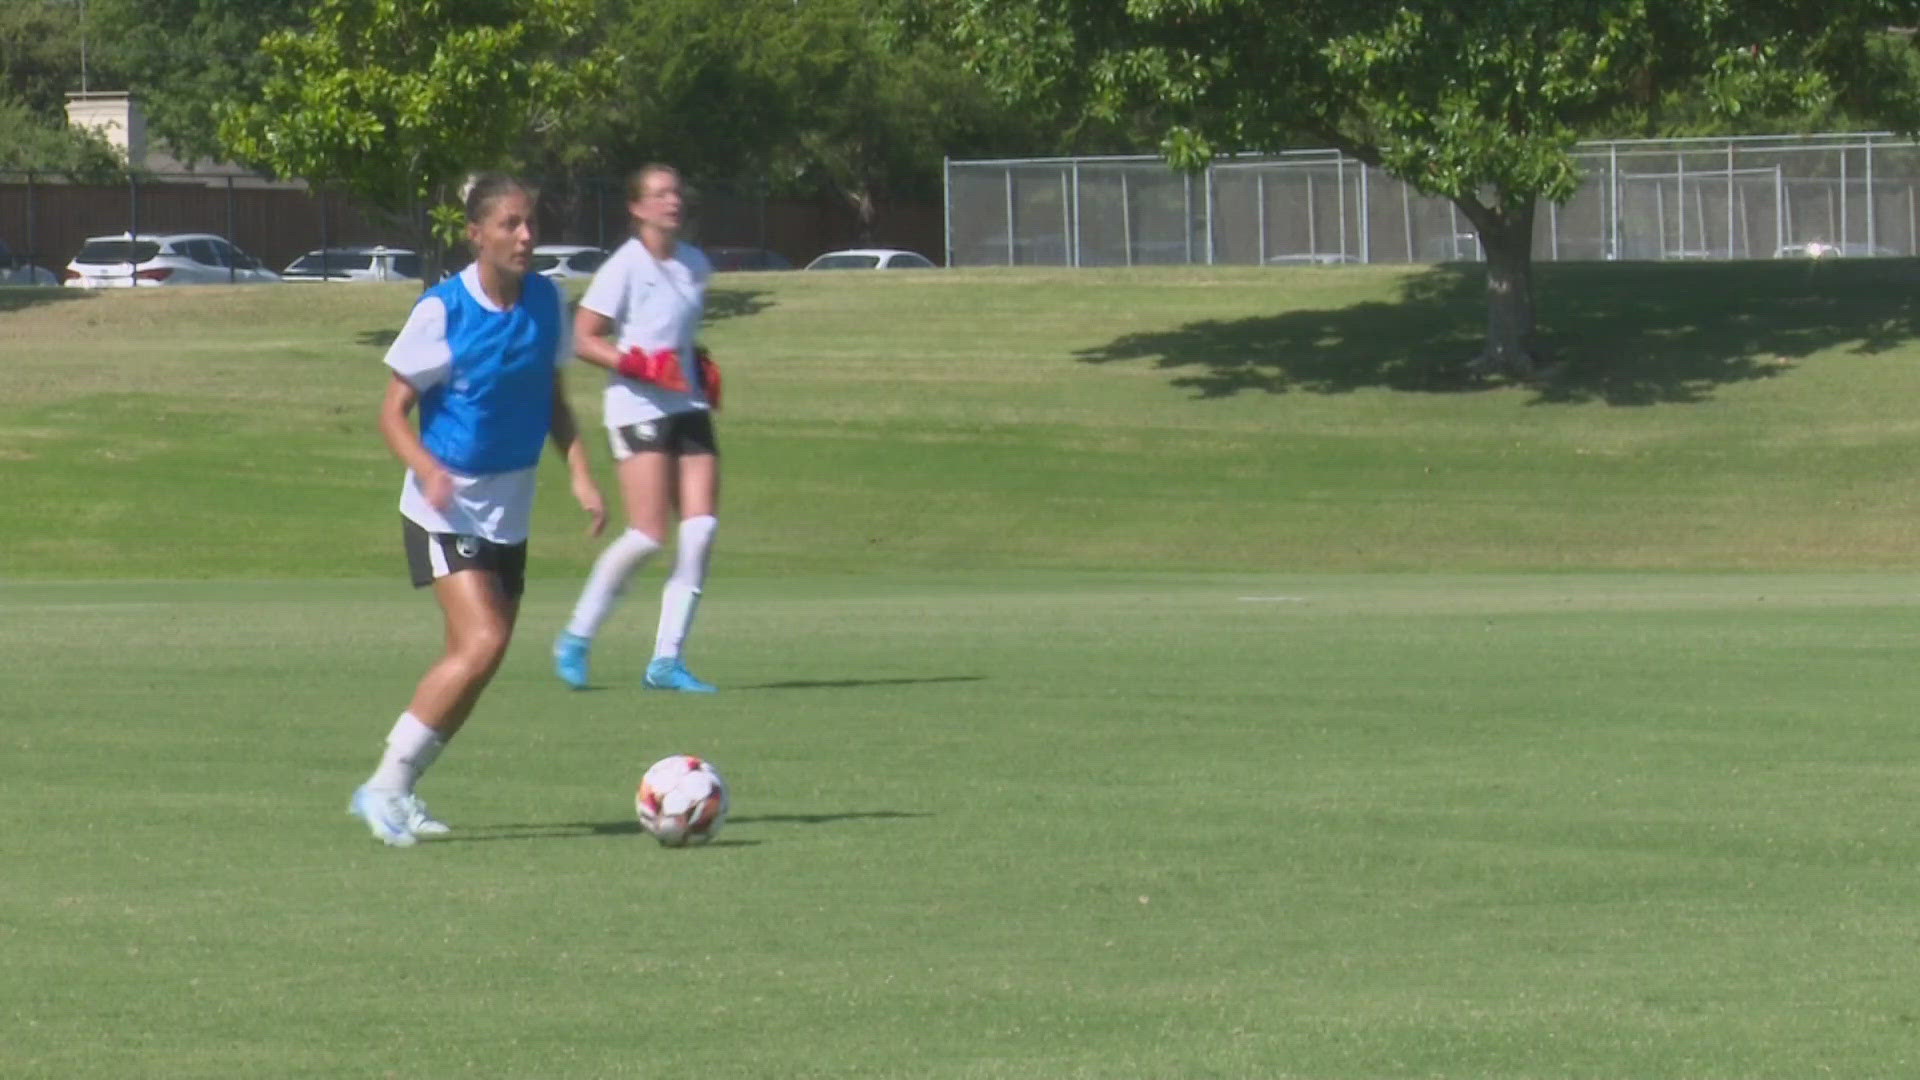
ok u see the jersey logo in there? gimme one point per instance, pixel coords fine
(466, 546)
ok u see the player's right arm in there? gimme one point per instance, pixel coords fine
(590, 340)
(419, 358)
(396, 426)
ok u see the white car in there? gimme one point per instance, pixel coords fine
(16, 270)
(375, 263)
(149, 259)
(561, 261)
(871, 259)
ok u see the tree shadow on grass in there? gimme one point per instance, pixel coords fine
(723, 304)
(1619, 333)
(20, 297)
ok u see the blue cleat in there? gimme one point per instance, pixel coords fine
(668, 673)
(570, 659)
(385, 813)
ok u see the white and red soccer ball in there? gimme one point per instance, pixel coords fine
(682, 801)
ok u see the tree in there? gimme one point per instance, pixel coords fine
(1478, 103)
(876, 105)
(40, 50)
(398, 100)
(183, 58)
(31, 144)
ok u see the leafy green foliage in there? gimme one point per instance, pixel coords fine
(29, 143)
(397, 100)
(184, 58)
(40, 54)
(1479, 103)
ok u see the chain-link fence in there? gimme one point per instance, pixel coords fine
(45, 220)
(1741, 198)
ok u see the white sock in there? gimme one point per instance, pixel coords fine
(628, 552)
(681, 598)
(412, 746)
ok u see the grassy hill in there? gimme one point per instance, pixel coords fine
(1695, 416)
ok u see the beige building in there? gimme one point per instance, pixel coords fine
(117, 115)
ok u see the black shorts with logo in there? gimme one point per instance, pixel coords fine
(435, 555)
(682, 434)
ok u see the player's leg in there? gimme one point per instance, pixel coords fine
(477, 586)
(645, 480)
(697, 487)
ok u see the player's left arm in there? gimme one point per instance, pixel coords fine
(564, 430)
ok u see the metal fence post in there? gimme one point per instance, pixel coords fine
(1126, 218)
(946, 194)
(1680, 199)
(1730, 203)
(1066, 218)
(1260, 212)
(1406, 213)
(233, 272)
(133, 205)
(1186, 224)
(1313, 241)
(1340, 199)
(1872, 231)
(1842, 238)
(1076, 214)
(1780, 208)
(1366, 217)
(1009, 172)
(1207, 180)
(33, 240)
(1613, 200)
(326, 240)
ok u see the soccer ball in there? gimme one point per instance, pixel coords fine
(682, 801)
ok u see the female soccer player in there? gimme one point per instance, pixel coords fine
(481, 357)
(660, 392)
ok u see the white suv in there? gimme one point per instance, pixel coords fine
(145, 259)
(375, 263)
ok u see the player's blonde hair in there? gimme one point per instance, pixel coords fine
(483, 189)
(637, 179)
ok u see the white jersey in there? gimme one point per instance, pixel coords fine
(654, 304)
(496, 506)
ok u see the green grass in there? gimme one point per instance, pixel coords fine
(1052, 825)
(1148, 674)
(1701, 417)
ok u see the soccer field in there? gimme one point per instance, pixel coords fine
(1031, 825)
(1158, 674)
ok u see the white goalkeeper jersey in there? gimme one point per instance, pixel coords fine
(654, 304)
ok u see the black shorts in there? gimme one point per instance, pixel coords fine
(435, 555)
(682, 434)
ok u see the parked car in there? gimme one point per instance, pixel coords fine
(870, 259)
(365, 263)
(1313, 258)
(731, 257)
(148, 259)
(16, 270)
(560, 261)
(1821, 249)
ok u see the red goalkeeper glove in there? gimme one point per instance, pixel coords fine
(709, 375)
(661, 368)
